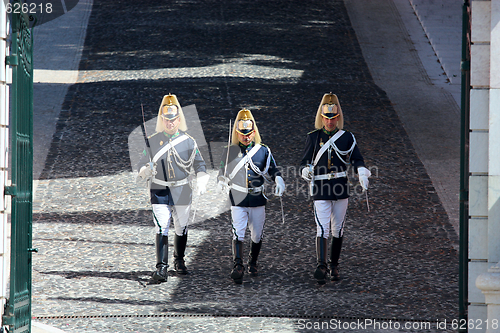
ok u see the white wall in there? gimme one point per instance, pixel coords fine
(484, 180)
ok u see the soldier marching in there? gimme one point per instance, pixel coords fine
(169, 159)
(328, 152)
(247, 164)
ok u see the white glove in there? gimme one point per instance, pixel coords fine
(280, 186)
(363, 174)
(202, 179)
(148, 171)
(306, 174)
(223, 184)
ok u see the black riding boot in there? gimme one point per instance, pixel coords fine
(334, 258)
(161, 273)
(252, 258)
(238, 269)
(321, 270)
(179, 249)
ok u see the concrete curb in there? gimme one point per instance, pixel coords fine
(37, 327)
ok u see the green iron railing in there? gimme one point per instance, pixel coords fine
(17, 312)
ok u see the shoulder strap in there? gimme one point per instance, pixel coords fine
(326, 145)
(244, 160)
(165, 148)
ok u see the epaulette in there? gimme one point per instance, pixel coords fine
(264, 145)
(149, 137)
(317, 129)
(187, 134)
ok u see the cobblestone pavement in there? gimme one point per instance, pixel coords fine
(92, 223)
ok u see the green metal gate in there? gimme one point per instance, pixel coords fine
(18, 309)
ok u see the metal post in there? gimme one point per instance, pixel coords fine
(4, 161)
(464, 165)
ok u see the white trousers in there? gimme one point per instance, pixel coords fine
(330, 217)
(253, 217)
(164, 214)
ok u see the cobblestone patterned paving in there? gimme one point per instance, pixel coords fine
(92, 224)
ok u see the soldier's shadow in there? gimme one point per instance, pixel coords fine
(142, 277)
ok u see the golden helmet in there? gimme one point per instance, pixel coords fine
(245, 124)
(333, 110)
(170, 109)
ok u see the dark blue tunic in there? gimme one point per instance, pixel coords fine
(177, 195)
(332, 189)
(246, 177)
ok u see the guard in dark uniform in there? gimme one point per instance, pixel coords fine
(169, 161)
(245, 167)
(328, 152)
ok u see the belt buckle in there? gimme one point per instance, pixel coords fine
(253, 190)
(331, 176)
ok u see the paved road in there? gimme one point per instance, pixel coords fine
(93, 225)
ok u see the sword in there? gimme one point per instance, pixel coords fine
(282, 213)
(367, 204)
(311, 169)
(223, 178)
(228, 144)
(151, 164)
(311, 184)
(195, 208)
